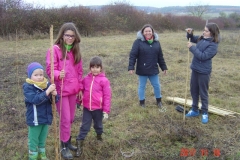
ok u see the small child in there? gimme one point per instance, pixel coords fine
(37, 92)
(96, 102)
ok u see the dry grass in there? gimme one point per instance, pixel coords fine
(142, 133)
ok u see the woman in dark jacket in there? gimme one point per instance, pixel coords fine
(147, 52)
(203, 52)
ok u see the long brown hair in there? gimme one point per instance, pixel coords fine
(214, 31)
(76, 48)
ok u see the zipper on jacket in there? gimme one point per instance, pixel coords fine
(90, 102)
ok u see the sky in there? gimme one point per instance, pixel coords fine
(151, 3)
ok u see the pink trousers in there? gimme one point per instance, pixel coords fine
(66, 108)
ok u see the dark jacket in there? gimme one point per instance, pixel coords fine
(148, 56)
(203, 53)
(39, 108)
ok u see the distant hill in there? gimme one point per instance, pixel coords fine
(179, 10)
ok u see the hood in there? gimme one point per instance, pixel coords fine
(140, 36)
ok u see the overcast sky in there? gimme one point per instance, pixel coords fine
(153, 3)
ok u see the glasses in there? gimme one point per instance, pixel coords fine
(69, 36)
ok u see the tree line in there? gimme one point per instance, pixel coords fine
(20, 17)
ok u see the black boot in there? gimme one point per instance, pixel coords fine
(99, 137)
(70, 146)
(79, 147)
(142, 103)
(159, 102)
(66, 154)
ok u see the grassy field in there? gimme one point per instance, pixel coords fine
(131, 131)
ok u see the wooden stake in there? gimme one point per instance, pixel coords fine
(53, 97)
(60, 109)
(17, 63)
(186, 84)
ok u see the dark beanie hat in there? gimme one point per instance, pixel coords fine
(33, 66)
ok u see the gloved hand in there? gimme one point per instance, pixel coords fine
(105, 116)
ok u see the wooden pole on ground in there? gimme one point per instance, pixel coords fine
(53, 97)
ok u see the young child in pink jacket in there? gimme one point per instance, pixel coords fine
(96, 102)
(68, 73)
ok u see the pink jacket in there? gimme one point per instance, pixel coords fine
(72, 82)
(97, 92)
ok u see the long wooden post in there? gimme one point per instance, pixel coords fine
(186, 84)
(53, 97)
(60, 108)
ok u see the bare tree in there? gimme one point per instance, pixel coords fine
(198, 9)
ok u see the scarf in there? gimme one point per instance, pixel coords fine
(68, 47)
(41, 85)
(150, 41)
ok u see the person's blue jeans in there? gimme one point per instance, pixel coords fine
(155, 82)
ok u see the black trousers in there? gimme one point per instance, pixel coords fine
(88, 116)
(199, 85)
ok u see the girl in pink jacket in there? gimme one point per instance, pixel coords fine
(68, 73)
(96, 102)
